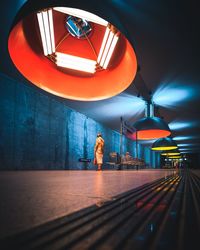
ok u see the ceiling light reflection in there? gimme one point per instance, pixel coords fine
(147, 141)
(181, 125)
(182, 138)
(187, 145)
(170, 95)
(124, 105)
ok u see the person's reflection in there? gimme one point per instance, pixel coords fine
(99, 189)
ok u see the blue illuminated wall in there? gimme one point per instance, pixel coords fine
(38, 131)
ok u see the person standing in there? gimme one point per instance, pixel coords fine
(99, 151)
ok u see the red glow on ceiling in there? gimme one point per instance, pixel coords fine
(25, 49)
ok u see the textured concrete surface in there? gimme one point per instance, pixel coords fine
(38, 131)
(31, 198)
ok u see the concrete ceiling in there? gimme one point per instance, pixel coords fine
(166, 38)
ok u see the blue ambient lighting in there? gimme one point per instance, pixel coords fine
(148, 142)
(181, 125)
(189, 150)
(171, 94)
(182, 138)
(184, 145)
(121, 4)
(187, 145)
(151, 227)
(21, 2)
(139, 12)
(123, 105)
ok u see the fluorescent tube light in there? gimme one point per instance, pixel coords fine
(45, 20)
(46, 26)
(69, 65)
(110, 52)
(106, 49)
(42, 33)
(50, 12)
(47, 32)
(75, 62)
(75, 58)
(103, 44)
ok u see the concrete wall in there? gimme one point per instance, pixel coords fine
(37, 131)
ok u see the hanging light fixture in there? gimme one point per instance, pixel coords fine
(150, 127)
(175, 157)
(75, 54)
(170, 153)
(164, 144)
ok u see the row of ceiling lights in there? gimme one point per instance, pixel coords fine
(77, 24)
(152, 127)
(148, 128)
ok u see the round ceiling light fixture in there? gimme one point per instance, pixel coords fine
(175, 157)
(164, 144)
(150, 127)
(72, 53)
(171, 153)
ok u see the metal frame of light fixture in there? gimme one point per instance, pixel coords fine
(109, 42)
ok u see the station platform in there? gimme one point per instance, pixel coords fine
(145, 209)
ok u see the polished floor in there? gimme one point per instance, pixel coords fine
(145, 209)
(31, 198)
